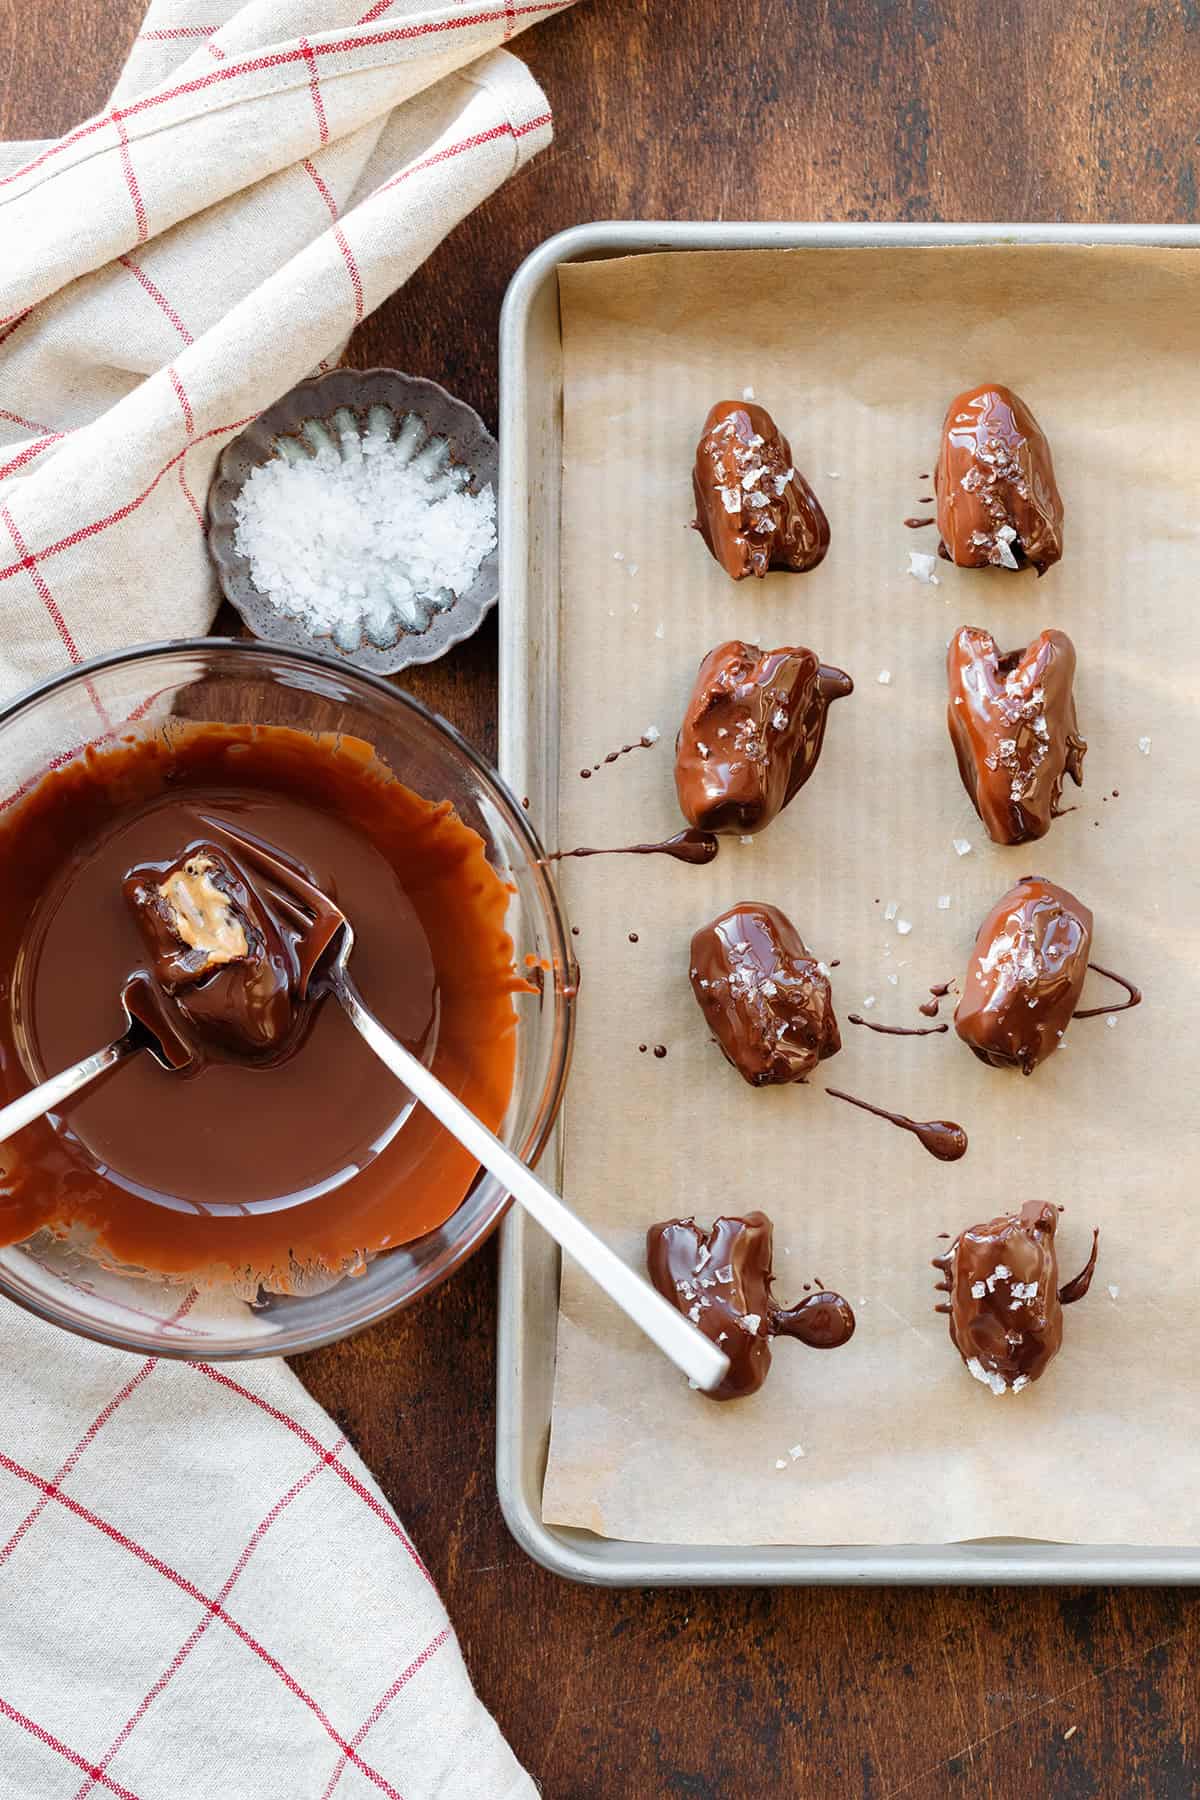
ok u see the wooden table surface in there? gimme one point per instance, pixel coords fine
(770, 109)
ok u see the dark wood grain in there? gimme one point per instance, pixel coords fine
(838, 109)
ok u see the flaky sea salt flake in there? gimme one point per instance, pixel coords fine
(884, 678)
(904, 926)
(1144, 745)
(943, 901)
(921, 567)
(962, 846)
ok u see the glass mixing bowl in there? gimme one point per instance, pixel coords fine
(227, 681)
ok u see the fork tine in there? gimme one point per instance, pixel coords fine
(321, 926)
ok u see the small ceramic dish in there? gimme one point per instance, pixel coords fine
(442, 431)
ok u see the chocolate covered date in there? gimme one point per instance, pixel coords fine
(1013, 726)
(752, 734)
(721, 1280)
(1005, 1304)
(767, 1002)
(754, 509)
(1025, 975)
(216, 951)
(997, 500)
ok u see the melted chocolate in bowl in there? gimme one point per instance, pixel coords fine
(271, 1173)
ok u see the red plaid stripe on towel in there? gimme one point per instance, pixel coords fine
(203, 1596)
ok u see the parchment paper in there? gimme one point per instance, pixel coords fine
(857, 353)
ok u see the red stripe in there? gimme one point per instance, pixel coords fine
(72, 1756)
(122, 512)
(314, 88)
(182, 398)
(29, 564)
(311, 169)
(158, 297)
(214, 1606)
(381, 1705)
(105, 1414)
(29, 452)
(189, 1644)
(135, 193)
(97, 1425)
(376, 12)
(9, 325)
(177, 31)
(28, 424)
(351, 1480)
(214, 51)
(276, 60)
(471, 143)
(352, 271)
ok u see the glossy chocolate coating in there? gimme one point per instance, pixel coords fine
(754, 509)
(752, 734)
(217, 952)
(721, 1280)
(1025, 975)
(767, 1003)
(1005, 1307)
(997, 502)
(1013, 726)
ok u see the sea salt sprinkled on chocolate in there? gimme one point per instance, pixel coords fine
(364, 540)
(989, 1377)
(752, 1321)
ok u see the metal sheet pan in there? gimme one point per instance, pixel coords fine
(530, 506)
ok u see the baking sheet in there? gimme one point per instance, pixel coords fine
(856, 353)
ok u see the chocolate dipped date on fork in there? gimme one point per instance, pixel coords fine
(1013, 726)
(767, 1002)
(721, 1280)
(752, 733)
(754, 509)
(1025, 975)
(1005, 1304)
(217, 951)
(997, 500)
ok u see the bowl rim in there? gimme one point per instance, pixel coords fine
(297, 1343)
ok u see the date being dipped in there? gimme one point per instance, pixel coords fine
(998, 504)
(286, 1150)
(721, 1280)
(1013, 726)
(1005, 1304)
(752, 734)
(754, 509)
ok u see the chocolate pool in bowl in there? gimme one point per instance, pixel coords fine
(296, 1175)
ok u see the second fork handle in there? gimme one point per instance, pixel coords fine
(700, 1359)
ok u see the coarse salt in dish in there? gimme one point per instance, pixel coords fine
(362, 536)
